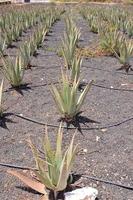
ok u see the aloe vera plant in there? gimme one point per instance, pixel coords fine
(55, 170)
(13, 72)
(32, 46)
(93, 24)
(26, 54)
(125, 53)
(72, 30)
(1, 92)
(17, 31)
(69, 42)
(39, 36)
(68, 50)
(110, 39)
(9, 37)
(67, 99)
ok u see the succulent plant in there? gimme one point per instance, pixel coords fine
(67, 99)
(13, 72)
(52, 172)
(55, 170)
(110, 39)
(125, 53)
(69, 42)
(39, 36)
(9, 37)
(25, 51)
(68, 50)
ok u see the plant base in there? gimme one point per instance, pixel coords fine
(127, 67)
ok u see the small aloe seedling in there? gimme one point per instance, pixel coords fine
(13, 72)
(67, 99)
(52, 172)
(1, 92)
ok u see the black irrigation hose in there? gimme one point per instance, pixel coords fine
(112, 88)
(104, 70)
(16, 166)
(65, 127)
(107, 182)
(57, 82)
(82, 175)
(35, 121)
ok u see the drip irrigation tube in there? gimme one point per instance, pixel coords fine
(65, 127)
(107, 182)
(82, 175)
(57, 82)
(16, 166)
(108, 71)
(112, 88)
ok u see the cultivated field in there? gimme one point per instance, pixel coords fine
(72, 64)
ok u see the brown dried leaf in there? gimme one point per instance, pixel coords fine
(35, 185)
(44, 197)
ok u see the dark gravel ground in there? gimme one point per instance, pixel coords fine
(108, 152)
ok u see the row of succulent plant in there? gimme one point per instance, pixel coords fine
(54, 172)
(25, 16)
(14, 72)
(69, 42)
(67, 96)
(92, 18)
(13, 25)
(117, 18)
(111, 26)
(118, 45)
(69, 101)
(30, 47)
